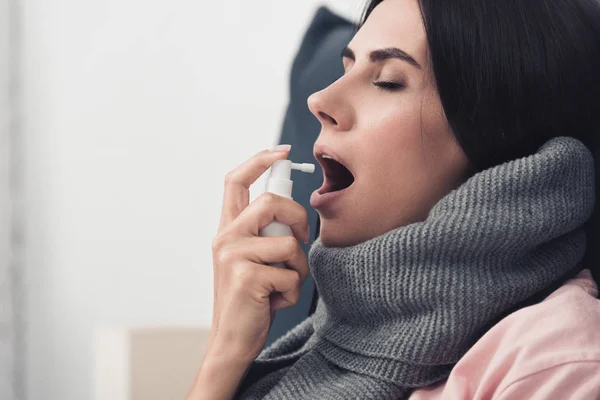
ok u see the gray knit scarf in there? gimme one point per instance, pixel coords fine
(398, 311)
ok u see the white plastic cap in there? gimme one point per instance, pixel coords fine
(279, 181)
(281, 169)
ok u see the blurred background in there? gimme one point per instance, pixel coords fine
(120, 119)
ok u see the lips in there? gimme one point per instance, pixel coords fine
(338, 178)
(337, 175)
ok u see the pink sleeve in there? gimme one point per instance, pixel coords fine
(578, 380)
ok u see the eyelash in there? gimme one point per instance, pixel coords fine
(388, 86)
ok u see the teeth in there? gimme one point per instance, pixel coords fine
(326, 156)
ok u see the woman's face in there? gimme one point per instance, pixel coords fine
(392, 137)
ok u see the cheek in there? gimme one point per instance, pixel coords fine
(415, 122)
(404, 144)
(395, 133)
(393, 159)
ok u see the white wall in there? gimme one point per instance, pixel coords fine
(132, 113)
(8, 379)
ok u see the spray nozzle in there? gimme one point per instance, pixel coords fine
(279, 181)
(282, 169)
(304, 167)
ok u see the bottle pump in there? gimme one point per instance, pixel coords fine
(280, 183)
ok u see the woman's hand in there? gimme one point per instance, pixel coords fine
(243, 304)
(247, 290)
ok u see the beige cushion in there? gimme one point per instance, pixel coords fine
(146, 363)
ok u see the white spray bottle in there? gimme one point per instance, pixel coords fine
(279, 182)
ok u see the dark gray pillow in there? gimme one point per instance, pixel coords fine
(317, 64)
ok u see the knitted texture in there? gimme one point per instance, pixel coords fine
(398, 311)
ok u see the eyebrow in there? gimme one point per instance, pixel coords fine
(384, 54)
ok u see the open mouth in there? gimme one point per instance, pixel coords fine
(337, 176)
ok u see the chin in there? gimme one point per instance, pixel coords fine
(336, 235)
(333, 241)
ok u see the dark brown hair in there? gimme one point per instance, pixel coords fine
(512, 74)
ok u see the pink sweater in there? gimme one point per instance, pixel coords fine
(550, 350)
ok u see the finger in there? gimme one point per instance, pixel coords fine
(284, 284)
(278, 301)
(284, 249)
(238, 181)
(270, 207)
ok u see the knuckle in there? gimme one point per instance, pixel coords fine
(269, 199)
(234, 177)
(289, 245)
(225, 256)
(298, 252)
(295, 278)
(217, 243)
(242, 275)
(231, 176)
(294, 296)
(304, 214)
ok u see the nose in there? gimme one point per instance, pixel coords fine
(330, 109)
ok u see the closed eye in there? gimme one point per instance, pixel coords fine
(389, 86)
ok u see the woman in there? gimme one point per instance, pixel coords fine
(457, 181)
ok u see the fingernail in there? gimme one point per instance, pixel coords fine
(282, 147)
